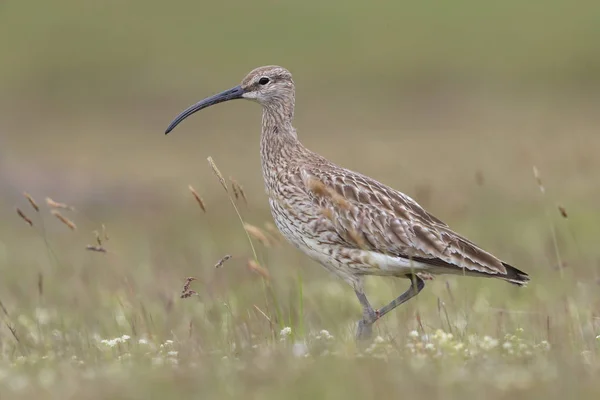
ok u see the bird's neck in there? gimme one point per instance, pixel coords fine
(278, 142)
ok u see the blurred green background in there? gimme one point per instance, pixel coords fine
(452, 103)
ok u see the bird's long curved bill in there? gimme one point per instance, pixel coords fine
(231, 94)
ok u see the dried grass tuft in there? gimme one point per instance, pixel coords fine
(273, 232)
(538, 179)
(222, 261)
(260, 270)
(258, 234)
(64, 220)
(563, 211)
(217, 173)
(197, 197)
(320, 189)
(24, 217)
(357, 238)
(32, 202)
(54, 204)
(327, 213)
(238, 190)
(186, 291)
(98, 249)
(101, 237)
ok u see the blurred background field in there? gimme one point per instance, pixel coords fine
(453, 103)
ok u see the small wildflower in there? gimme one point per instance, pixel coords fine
(378, 340)
(546, 346)
(173, 353)
(142, 341)
(285, 332)
(413, 334)
(325, 334)
(300, 349)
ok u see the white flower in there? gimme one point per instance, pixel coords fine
(300, 349)
(42, 316)
(413, 334)
(489, 343)
(429, 346)
(110, 342)
(378, 340)
(507, 346)
(287, 331)
(125, 338)
(546, 346)
(173, 353)
(142, 341)
(325, 334)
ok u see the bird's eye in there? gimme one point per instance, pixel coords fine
(263, 80)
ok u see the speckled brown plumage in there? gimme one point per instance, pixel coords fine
(351, 224)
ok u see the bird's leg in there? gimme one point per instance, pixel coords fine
(417, 284)
(365, 325)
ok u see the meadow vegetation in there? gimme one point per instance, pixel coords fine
(485, 114)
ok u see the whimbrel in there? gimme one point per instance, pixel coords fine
(351, 224)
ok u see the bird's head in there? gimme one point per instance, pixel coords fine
(271, 86)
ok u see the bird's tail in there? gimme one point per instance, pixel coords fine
(515, 276)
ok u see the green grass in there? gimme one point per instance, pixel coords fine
(112, 325)
(451, 102)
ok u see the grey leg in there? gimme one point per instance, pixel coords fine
(365, 325)
(417, 284)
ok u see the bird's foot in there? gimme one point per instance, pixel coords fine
(364, 329)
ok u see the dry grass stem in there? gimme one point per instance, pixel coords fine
(322, 190)
(64, 220)
(357, 238)
(257, 268)
(257, 308)
(186, 291)
(54, 204)
(101, 237)
(31, 201)
(197, 197)
(98, 249)
(238, 190)
(327, 213)
(538, 179)
(217, 173)
(220, 263)
(98, 238)
(258, 234)
(24, 217)
(273, 231)
(563, 211)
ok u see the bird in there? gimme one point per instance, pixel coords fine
(351, 224)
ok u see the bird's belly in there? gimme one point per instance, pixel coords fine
(316, 237)
(310, 233)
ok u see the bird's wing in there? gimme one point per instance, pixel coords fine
(368, 214)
